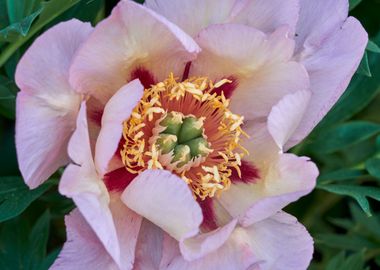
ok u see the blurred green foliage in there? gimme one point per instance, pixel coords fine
(342, 214)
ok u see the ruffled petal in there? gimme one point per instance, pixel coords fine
(47, 105)
(131, 38)
(117, 110)
(267, 15)
(286, 180)
(128, 228)
(235, 254)
(149, 247)
(202, 244)
(259, 63)
(286, 116)
(280, 243)
(318, 19)
(331, 50)
(81, 183)
(82, 250)
(165, 200)
(193, 16)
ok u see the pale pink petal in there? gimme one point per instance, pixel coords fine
(281, 243)
(235, 254)
(170, 250)
(285, 181)
(47, 105)
(165, 200)
(128, 227)
(149, 247)
(286, 116)
(276, 243)
(202, 244)
(319, 19)
(117, 110)
(331, 53)
(132, 37)
(42, 135)
(267, 15)
(81, 183)
(82, 250)
(261, 146)
(193, 16)
(259, 63)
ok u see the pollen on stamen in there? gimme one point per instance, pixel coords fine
(187, 128)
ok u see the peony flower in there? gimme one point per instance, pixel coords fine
(176, 117)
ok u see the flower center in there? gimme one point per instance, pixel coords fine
(187, 128)
(181, 141)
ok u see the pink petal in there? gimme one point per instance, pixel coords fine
(286, 116)
(47, 105)
(165, 200)
(235, 254)
(260, 145)
(132, 37)
(117, 110)
(331, 53)
(202, 244)
(276, 243)
(82, 250)
(318, 19)
(266, 15)
(81, 183)
(285, 181)
(128, 227)
(170, 251)
(281, 243)
(149, 247)
(193, 16)
(260, 63)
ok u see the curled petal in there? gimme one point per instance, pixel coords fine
(287, 179)
(132, 37)
(165, 200)
(261, 64)
(117, 110)
(47, 105)
(82, 250)
(331, 48)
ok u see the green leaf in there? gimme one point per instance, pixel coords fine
(368, 224)
(342, 223)
(340, 175)
(359, 193)
(336, 262)
(354, 262)
(15, 196)
(8, 92)
(364, 68)
(13, 31)
(49, 259)
(354, 3)
(372, 47)
(23, 246)
(13, 244)
(345, 242)
(50, 10)
(343, 136)
(373, 167)
(38, 239)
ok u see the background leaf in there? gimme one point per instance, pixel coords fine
(15, 196)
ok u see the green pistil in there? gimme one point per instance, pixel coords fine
(173, 122)
(183, 136)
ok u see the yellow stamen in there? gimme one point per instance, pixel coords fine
(139, 153)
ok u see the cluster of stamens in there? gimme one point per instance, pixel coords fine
(187, 128)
